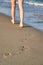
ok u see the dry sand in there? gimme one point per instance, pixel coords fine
(19, 46)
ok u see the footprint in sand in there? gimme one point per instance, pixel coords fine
(5, 55)
(23, 47)
(19, 50)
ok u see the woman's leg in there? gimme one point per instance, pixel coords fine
(20, 2)
(13, 10)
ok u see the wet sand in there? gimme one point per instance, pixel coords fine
(19, 46)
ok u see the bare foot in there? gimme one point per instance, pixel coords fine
(12, 21)
(21, 26)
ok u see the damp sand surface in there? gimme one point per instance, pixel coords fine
(19, 46)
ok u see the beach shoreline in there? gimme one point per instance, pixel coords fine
(19, 46)
(33, 15)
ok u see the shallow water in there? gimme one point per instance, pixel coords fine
(33, 14)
